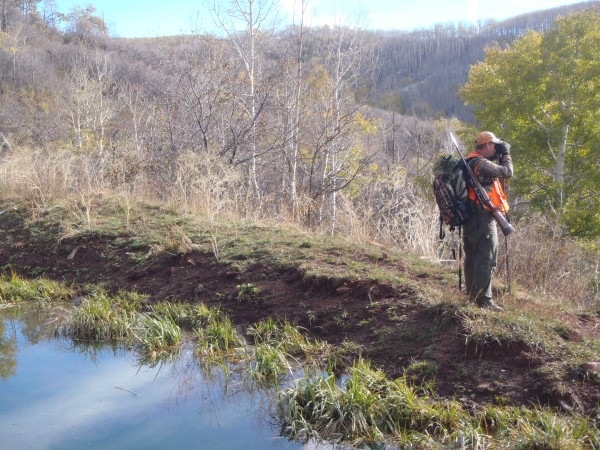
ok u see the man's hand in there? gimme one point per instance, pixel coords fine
(503, 148)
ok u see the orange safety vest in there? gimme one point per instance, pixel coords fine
(494, 191)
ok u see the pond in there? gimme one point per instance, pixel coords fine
(56, 394)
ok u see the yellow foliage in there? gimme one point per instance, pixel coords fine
(367, 126)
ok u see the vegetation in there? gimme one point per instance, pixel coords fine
(366, 405)
(245, 197)
(539, 92)
(15, 289)
(368, 408)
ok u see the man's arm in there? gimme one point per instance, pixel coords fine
(487, 169)
(504, 169)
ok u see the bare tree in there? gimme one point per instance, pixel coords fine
(336, 158)
(296, 109)
(249, 24)
(88, 99)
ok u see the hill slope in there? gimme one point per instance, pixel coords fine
(402, 313)
(422, 70)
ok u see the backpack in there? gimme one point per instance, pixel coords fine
(450, 190)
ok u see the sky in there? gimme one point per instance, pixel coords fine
(151, 18)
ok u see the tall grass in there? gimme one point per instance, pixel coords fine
(97, 320)
(393, 210)
(549, 265)
(121, 317)
(187, 316)
(219, 337)
(158, 332)
(276, 345)
(270, 364)
(281, 334)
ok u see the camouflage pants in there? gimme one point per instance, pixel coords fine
(480, 239)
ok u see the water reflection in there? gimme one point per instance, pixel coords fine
(8, 352)
(57, 393)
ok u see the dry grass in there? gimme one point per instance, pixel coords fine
(393, 210)
(550, 266)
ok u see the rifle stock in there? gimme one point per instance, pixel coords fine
(482, 195)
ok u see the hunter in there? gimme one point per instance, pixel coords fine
(479, 232)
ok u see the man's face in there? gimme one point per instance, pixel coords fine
(488, 150)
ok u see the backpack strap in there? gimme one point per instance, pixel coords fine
(473, 160)
(460, 258)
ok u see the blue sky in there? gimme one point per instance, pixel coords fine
(149, 18)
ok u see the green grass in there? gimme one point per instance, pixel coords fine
(219, 337)
(99, 319)
(484, 330)
(148, 232)
(270, 364)
(282, 334)
(248, 293)
(158, 332)
(276, 343)
(368, 408)
(15, 289)
(187, 316)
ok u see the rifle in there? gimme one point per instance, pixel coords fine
(482, 195)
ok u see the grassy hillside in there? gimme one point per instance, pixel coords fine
(364, 302)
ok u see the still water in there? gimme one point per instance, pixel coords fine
(57, 395)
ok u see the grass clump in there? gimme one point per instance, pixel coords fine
(369, 409)
(100, 319)
(281, 334)
(218, 337)
(105, 317)
(248, 293)
(188, 317)
(271, 363)
(159, 332)
(525, 331)
(525, 428)
(276, 344)
(422, 373)
(15, 289)
(366, 408)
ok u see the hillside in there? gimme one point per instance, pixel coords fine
(421, 71)
(400, 312)
(149, 174)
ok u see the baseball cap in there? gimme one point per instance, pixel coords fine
(486, 136)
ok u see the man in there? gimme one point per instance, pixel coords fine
(479, 233)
